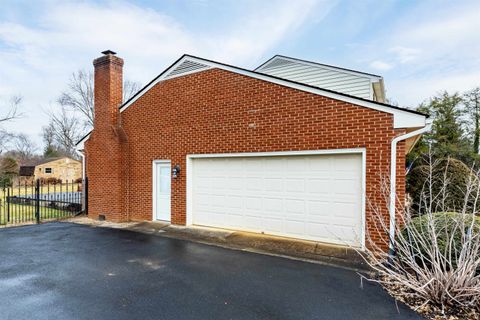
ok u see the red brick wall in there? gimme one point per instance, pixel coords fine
(217, 111)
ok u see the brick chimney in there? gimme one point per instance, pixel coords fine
(106, 147)
(108, 88)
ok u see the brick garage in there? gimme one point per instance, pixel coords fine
(220, 111)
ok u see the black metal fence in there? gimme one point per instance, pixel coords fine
(41, 200)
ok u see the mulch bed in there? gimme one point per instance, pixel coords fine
(429, 310)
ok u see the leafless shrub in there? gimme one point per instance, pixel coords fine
(436, 257)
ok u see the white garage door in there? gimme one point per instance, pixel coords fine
(314, 197)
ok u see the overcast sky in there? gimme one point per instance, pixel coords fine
(420, 47)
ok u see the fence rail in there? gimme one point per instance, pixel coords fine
(40, 200)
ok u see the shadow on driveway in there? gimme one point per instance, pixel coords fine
(70, 271)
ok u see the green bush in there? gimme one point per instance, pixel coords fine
(450, 178)
(445, 229)
(5, 181)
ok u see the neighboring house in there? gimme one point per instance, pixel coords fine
(293, 148)
(63, 168)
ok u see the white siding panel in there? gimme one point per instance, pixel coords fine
(336, 80)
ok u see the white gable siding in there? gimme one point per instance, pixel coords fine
(320, 76)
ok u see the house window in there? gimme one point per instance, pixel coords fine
(48, 170)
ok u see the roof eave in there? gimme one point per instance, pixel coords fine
(405, 118)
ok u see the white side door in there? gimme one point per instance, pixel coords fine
(161, 190)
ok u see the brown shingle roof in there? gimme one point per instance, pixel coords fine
(26, 171)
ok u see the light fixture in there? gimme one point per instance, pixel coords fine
(176, 171)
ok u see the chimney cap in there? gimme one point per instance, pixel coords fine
(109, 52)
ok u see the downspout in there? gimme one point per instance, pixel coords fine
(80, 153)
(393, 178)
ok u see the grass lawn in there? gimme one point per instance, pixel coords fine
(25, 213)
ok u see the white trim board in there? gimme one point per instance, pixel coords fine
(191, 157)
(402, 118)
(81, 144)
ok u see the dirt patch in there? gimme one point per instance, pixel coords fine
(107, 224)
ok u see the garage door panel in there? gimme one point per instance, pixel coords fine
(254, 183)
(235, 183)
(344, 163)
(235, 202)
(205, 216)
(344, 209)
(202, 182)
(296, 228)
(219, 183)
(273, 165)
(316, 185)
(296, 164)
(319, 208)
(295, 185)
(344, 186)
(344, 232)
(252, 165)
(320, 164)
(252, 223)
(273, 184)
(272, 225)
(273, 205)
(315, 197)
(253, 203)
(319, 231)
(294, 206)
(235, 220)
(218, 201)
(202, 199)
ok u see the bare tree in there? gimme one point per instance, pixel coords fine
(79, 96)
(12, 109)
(5, 139)
(12, 113)
(472, 104)
(23, 148)
(130, 88)
(51, 148)
(48, 135)
(63, 131)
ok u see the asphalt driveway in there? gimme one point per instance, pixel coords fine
(69, 271)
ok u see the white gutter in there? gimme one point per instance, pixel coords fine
(393, 176)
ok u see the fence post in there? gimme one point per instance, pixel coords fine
(8, 204)
(85, 197)
(37, 201)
